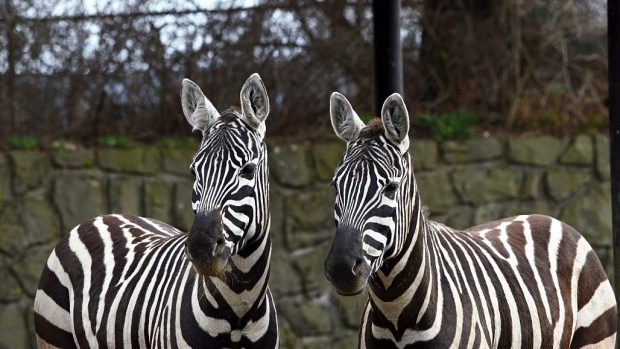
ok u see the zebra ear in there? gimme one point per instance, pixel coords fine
(254, 101)
(396, 121)
(345, 121)
(197, 109)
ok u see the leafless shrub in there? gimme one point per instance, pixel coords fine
(82, 73)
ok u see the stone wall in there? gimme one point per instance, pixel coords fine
(44, 194)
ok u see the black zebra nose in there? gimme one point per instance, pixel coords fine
(219, 246)
(345, 267)
(205, 245)
(357, 266)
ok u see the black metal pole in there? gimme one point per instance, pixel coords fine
(387, 49)
(613, 37)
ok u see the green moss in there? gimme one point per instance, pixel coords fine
(458, 124)
(116, 142)
(179, 142)
(24, 143)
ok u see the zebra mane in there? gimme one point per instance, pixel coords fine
(235, 113)
(373, 130)
(231, 114)
(424, 210)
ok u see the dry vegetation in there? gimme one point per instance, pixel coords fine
(65, 73)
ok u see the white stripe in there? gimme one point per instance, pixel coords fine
(602, 300)
(531, 258)
(529, 300)
(45, 306)
(83, 256)
(108, 265)
(555, 237)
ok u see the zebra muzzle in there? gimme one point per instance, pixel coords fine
(219, 247)
(206, 246)
(345, 267)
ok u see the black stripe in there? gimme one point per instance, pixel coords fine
(52, 334)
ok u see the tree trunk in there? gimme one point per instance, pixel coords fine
(445, 21)
(10, 74)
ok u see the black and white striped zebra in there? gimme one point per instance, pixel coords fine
(121, 281)
(523, 282)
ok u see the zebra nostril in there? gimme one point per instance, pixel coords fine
(219, 246)
(357, 266)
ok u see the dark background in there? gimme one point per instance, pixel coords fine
(77, 71)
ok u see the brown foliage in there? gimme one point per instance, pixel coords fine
(81, 76)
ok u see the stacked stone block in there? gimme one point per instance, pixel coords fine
(43, 195)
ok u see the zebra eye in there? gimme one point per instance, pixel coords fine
(390, 189)
(248, 171)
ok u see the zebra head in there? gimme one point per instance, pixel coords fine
(372, 192)
(230, 190)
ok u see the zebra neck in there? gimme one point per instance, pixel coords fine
(404, 288)
(242, 288)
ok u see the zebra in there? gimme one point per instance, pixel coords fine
(529, 281)
(121, 281)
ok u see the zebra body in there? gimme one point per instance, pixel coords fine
(98, 290)
(529, 281)
(121, 281)
(523, 282)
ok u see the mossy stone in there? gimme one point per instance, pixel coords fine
(326, 157)
(480, 185)
(306, 317)
(177, 160)
(124, 195)
(158, 200)
(309, 264)
(457, 217)
(73, 158)
(436, 190)
(471, 150)
(183, 212)
(129, 160)
(10, 290)
(309, 216)
(535, 151)
(424, 154)
(529, 207)
(13, 326)
(277, 202)
(590, 214)
(563, 183)
(531, 187)
(30, 169)
(283, 279)
(317, 342)
(29, 266)
(488, 212)
(288, 339)
(27, 222)
(5, 178)
(603, 168)
(580, 152)
(290, 165)
(347, 339)
(78, 198)
(351, 308)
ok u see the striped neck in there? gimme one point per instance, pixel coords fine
(242, 288)
(405, 286)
